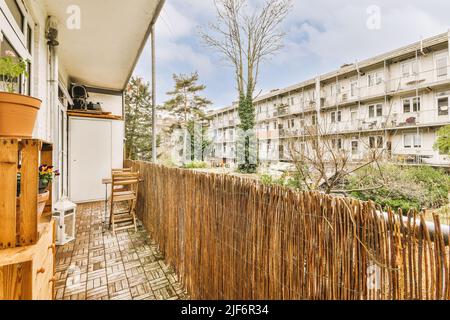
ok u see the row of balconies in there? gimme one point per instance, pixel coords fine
(425, 79)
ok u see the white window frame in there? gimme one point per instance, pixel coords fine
(411, 104)
(355, 151)
(437, 57)
(413, 69)
(415, 140)
(354, 88)
(448, 105)
(377, 77)
(375, 110)
(16, 36)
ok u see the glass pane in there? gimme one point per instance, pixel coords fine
(16, 12)
(29, 39)
(406, 106)
(443, 106)
(6, 46)
(441, 66)
(408, 141)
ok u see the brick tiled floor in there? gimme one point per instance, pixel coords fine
(101, 265)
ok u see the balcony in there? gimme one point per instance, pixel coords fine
(103, 266)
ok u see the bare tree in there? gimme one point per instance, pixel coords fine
(322, 163)
(245, 37)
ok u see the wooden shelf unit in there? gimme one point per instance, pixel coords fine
(19, 225)
(27, 246)
(27, 273)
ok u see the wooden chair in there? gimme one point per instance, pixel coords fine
(124, 191)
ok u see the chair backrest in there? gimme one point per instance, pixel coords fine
(126, 180)
(121, 170)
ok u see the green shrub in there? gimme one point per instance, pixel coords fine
(195, 165)
(266, 179)
(399, 187)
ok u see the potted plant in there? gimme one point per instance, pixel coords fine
(17, 112)
(46, 175)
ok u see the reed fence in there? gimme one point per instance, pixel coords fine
(232, 238)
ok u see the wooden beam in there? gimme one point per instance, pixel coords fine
(9, 149)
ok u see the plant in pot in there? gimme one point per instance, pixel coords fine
(17, 112)
(46, 175)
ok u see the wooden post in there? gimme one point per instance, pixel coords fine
(9, 149)
(27, 219)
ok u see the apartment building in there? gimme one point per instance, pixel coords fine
(393, 102)
(223, 132)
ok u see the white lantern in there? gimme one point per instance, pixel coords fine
(64, 213)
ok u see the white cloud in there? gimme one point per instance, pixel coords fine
(321, 36)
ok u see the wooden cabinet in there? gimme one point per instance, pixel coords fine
(27, 273)
(26, 242)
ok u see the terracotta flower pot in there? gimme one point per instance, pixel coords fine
(17, 115)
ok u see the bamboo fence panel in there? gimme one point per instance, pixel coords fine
(233, 238)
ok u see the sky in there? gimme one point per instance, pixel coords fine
(321, 35)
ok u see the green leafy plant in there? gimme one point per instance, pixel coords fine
(443, 140)
(401, 188)
(195, 165)
(11, 68)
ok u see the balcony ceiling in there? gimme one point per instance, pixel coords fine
(104, 51)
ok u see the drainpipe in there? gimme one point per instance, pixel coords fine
(154, 154)
(52, 99)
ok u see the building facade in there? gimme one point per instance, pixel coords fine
(394, 102)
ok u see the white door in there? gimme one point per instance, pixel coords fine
(90, 150)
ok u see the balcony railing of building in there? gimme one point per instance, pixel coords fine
(257, 242)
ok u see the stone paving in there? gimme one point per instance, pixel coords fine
(99, 265)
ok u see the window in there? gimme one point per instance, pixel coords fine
(441, 66)
(443, 106)
(275, 125)
(337, 144)
(376, 142)
(292, 101)
(5, 46)
(29, 39)
(314, 120)
(375, 79)
(412, 139)
(354, 147)
(353, 89)
(291, 123)
(16, 12)
(411, 105)
(410, 69)
(336, 116)
(376, 111)
(354, 115)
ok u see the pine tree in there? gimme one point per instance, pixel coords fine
(190, 110)
(138, 120)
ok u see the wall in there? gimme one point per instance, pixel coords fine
(110, 103)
